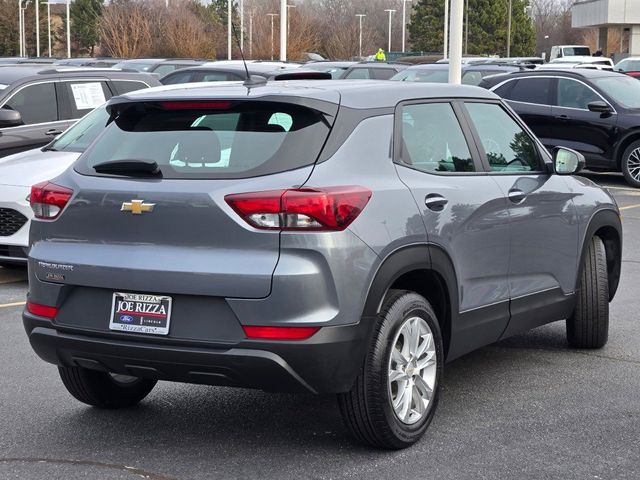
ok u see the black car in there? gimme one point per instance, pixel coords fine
(439, 73)
(39, 102)
(373, 70)
(593, 111)
(237, 72)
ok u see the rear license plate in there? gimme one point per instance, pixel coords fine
(140, 313)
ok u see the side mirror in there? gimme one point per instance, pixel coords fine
(567, 161)
(10, 118)
(599, 107)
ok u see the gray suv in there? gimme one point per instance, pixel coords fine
(320, 236)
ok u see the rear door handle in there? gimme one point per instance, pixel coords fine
(53, 132)
(435, 202)
(561, 117)
(516, 195)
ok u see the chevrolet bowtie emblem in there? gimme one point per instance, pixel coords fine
(137, 207)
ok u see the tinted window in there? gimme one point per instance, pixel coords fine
(576, 51)
(248, 139)
(383, 73)
(432, 140)
(531, 90)
(85, 96)
(181, 77)
(358, 73)
(164, 69)
(126, 86)
(574, 94)
(220, 77)
(36, 103)
(508, 148)
(471, 78)
(81, 134)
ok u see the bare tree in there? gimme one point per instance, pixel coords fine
(126, 29)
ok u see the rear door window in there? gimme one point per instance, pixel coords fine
(36, 103)
(220, 77)
(228, 140)
(178, 77)
(359, 74)
(85, 96)
(432, 139)
(530, 90)
(383, 73)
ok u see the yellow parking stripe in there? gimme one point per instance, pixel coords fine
(15, 304)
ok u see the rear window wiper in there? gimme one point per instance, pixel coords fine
(129, 167)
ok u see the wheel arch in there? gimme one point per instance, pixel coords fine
(425, 269)
(623, 144)
(606, 225)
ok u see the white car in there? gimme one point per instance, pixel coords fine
(20, 171)
(578, 61)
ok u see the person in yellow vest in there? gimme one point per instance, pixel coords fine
(380, 56)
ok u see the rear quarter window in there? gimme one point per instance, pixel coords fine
(244, 140)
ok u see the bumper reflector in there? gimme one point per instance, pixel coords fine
(42, 310)
(279, 333)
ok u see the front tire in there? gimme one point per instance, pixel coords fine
(393, 400)
(105, 390)
(630, 164)
(588, 327)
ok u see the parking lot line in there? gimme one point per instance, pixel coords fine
(14, 304)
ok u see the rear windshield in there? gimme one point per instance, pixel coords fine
(234, 140)
(576, 51)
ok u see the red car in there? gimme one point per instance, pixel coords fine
(629, 66)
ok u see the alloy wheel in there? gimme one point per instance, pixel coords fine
(633, 164)
(412, 370)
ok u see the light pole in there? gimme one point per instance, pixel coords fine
(242, 25)
(250, 33)
(49, 26)
(289, 18)
(445, 54)
(229, 11)
(466, 28)
(360, 16)
(20, 27)
(509, 31)
(283, 30)
(68, 30)
(455, 59)
(272, 15)
(391, 11)
(404, 20)
(37, 28)
(24, 28)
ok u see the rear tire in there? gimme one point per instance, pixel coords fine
(588, 327)
(104, 390)
(630, 164)
(373, 410)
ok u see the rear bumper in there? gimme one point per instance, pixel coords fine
(328, 362)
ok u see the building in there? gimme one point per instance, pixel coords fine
(606, 14)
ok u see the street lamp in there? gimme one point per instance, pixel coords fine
(23, 27)
(360, 16)
(509, 30)
(250, 33)
(49, 25)
(289, 18)
(68, 29)
(20, 27)
(272, 15)
(466, 28)
(242, 25)
(404, 20)
(229, 13)
(37, 28)
(445, 53)
(283, 30)
(391, 12)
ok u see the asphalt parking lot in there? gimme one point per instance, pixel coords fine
(527, 407)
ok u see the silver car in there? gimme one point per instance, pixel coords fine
(343, 237)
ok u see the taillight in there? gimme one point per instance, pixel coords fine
(279, 333)
(315, 209)
(48, 199)
(42, 310)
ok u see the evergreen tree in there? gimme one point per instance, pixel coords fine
(85, 15)
(487, 27)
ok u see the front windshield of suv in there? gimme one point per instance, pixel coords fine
(82, 133)
(623, 89)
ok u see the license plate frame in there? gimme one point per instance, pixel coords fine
(142, 313)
